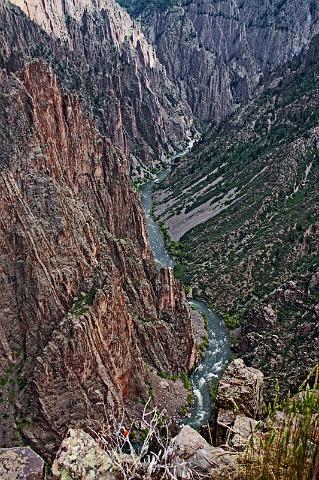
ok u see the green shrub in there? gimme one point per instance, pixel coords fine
(231, 321)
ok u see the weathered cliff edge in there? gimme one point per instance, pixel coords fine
(84, 315)
(251, 445)
(99, 52)
(94, 456)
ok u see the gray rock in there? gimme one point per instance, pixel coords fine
(20, 463)
(194, 451)
(218, 51)
(244, 426)
(241, 390)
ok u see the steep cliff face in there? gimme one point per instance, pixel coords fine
(217, 52)
(96, 50)
(84, 313)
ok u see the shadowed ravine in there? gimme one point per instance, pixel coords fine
(218, 351)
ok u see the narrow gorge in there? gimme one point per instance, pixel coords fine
(159, 268)
(217, 347)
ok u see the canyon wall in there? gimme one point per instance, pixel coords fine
(217, 52)
(99, 52)
(85, 315)
(244, 204)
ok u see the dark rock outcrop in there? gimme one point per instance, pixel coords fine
(281, 336)
(218, 52)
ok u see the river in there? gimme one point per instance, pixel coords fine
(218, 351)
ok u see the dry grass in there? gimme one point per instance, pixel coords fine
(149, 458)
(288, 449)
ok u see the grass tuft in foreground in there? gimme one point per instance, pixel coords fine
(290, 447)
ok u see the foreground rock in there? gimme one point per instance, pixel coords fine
(239, 401)
(239, 435)
(241, 390)
(81, 457)
(20, 464)
(192, 450)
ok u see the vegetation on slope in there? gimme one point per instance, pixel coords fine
(256, 176)
(254, 179)
(142, 7)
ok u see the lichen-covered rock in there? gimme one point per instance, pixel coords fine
(81, 457)
(20, 463)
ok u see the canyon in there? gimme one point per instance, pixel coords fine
(81, 294)
(95, 102)
(217, 53)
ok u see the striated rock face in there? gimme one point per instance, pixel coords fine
(83, 312)
(97, 51)
(217, 52)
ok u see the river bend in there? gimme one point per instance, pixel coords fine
(218, 352)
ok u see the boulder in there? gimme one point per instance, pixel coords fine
(82, 458)
(192, 451)
(240, 393)
(20, 463)
(244, 427)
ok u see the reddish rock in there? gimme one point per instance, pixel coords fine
(82, 306)
(99, 52)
